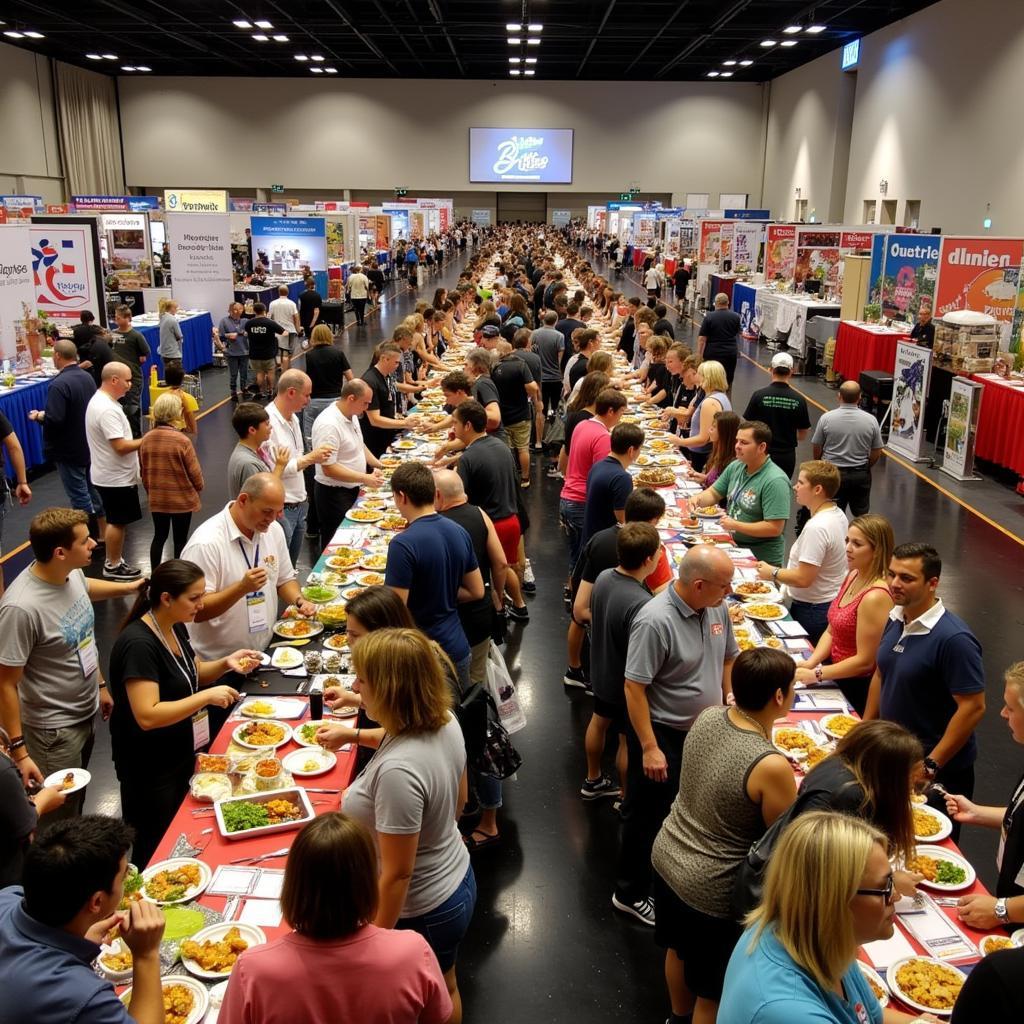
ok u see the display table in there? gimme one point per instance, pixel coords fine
(1000, 437)
(792, 315)
(861, 346)
(196, 346)
(15, 403)
(721, 284)
(267, 293)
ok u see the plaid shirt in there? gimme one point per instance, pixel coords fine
(171, 472)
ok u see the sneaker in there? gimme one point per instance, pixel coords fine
(518, 614)
(528, 587)
(524, 485)
(538, 448)
(642, 909)
(553, 473)
(594, 789)
(124, 571)
(576, 678)
(528, 576)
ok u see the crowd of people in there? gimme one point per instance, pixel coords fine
(685, 715)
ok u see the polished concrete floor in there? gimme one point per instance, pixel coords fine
(545, 943)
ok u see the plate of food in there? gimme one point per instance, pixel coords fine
(404, 445)
(995, 944)
(334, 616)
(263, 813)
(209, 787)
(930, 825)
(319, 593)
(309, 761)
(381, 504)
(660, 444)
(68, 780)
(875, 983)
(390, 462)
(272, 707)
(262, 735)
(364, 515)
(1017, 937)
(305, 734)
(211, 952)
(338, 642)
(177, 880)
(115, 961)
(943, 869)
(667, 460)
(185, 999)
(370, 579)
(375, 561)
(297, 629)
(757, 590)
(644, 460)
(286, 659)
(709, 512)
(657, 476)
(393, 523)
(335, 578)
(792, 741)
(925, 984)
(344, 558)
(764, 611)
(837, 726)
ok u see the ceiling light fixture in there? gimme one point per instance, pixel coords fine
(745, 63)
(142, 67)
(35, 35)
(260, 37)
(535, 27)
(725, 74)
(531, 60)
(263, 24)
(792, 30)
(14, 35)
(729, 63)
(529, 71)
(768, 42)
(93, 56)
(815, 29)
(128, 67)
(301, 56)
(533, 41)
(317, 71)
(788, 42)
(514, 60)
(317, 58)
(243, 24)
(331, 71)
(110, 56)
(514, 71)
(513, 26)
(714, 74)
(280, 39)
(514, 40)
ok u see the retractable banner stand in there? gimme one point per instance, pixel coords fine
(910, 387)
(17, 293)
(964, 410)
(200, 246)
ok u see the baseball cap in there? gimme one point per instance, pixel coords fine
(782, 361)
(490, 331)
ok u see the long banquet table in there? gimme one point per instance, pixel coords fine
(861, 346)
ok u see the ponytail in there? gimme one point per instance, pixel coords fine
(172, 577)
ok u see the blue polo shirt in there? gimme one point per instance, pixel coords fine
(608, 487)
(937, 658)
(45, 973)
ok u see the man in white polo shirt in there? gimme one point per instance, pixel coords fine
(283, 311)
(352, 464)
(244, 556)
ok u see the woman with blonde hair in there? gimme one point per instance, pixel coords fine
(412, 792)
(845, 654)
(712, 381)
(829, 889)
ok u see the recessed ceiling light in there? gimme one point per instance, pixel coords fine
(745, 63)
(533, 41)
(263, 24)
(94, 56)
(768, 42)
(317, 71)
(514, 40)
(110, 56)
(14, 35)
(514, 60)
(317, 58)
(714, 74)
(729, 63)
(725, 74)
(35, 35)
(280, 39)
(815, 29)
(142, 67)
(260, 37)
(529, 71)
(531, 60)
(792, 30)
(788, 42)
(535, 27)
(301, 56)
(513, 26)
(243, 24)
(127, 67)
(331, 71)
(514, 71)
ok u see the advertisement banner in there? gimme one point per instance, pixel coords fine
(481, 217)
(856, 239)
(561, 218)
(817, 256)
(711, 241)
(66, 267)
(22, 206)
(964, 409)
(269, 208)
(283, 244)
(335, 242)
(980, 274)
(911, 373)
(746, 247)
(541, 156)
(780, 252)
(128, 251)
(99, 204)
(906, 281)
(17, 292)
(196, 200)
(1018, 317)
(877, 268)
(200, 247)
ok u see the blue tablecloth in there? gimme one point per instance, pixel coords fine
(15, 405)
(743, 296)
(267, 295)
(196, 349)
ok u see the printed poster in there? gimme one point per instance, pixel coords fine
(780, 253)
(128, 255)
(911, 373)
(711, 241)
(906, 282)
(980, 274)
(200, 245)
(17, 289)
(284, 244)
(818, 256)
(746, 247)
(964, 396)
(66, 267)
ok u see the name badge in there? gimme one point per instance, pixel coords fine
(87, 655)
(256, 610)
(201, 730)
(898, 649)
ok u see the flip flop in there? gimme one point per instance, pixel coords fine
(475, 844)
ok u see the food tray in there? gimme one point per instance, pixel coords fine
(296, 795)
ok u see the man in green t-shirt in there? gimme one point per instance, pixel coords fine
(757, 492)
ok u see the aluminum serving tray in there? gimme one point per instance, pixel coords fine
(296, 794)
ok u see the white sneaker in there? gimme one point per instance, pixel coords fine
(642, 909)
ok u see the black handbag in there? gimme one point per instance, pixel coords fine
(499, 759)
(472, 713)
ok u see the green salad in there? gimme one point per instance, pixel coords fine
(949, 873)
(308, 731)
(319, 593)
(241, 816)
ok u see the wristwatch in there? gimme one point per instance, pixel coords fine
(818, 673)
(1002, 914)
(931, 767)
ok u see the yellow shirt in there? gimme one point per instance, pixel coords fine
(187, 402)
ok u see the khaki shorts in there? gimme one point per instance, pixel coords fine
(56, 750)
(518, 435)
(262, 365)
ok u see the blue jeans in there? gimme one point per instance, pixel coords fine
(462, 670)
(445, 926)
(813, 617)
(238, 366)
(488, 791)
(79, 489)
(570, 516)
(294, 523)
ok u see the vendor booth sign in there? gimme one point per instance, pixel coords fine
(964, 410)
(780, 252)
(66, 267)
(284, 244)
(201, 256)
(817, 256)
(746, 247)
(17, 292)
(910, 386)
(711, 241)
(980, 274)
(196, 200)
(128, 250)
(907, 279)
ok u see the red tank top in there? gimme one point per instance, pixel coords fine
(843, 622)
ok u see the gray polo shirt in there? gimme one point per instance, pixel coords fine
(678, 654)
(847, 435)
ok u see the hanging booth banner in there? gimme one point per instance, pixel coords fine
(906, 281)
(561, 218)
(980, 274)
(911, 374)
(200, 247)
(711, 241)
(196, 200)
(128, 250)
(66, 267)
(1018, 316)
(746, 247)
(855, 240)
(817, 256)
(964, 411)
(17, 291)
(22, 206)
(285, 243)
(780, 252)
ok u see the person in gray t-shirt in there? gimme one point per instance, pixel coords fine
(681, 650)
(252, 424)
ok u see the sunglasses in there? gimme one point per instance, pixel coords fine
(885, 893)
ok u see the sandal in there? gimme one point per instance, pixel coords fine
(486, 839)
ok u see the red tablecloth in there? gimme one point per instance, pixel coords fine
(860, 347)
(1000, 437)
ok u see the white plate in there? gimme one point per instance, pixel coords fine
(366, 578)
(284, 624)
(82, 779)
(217, 993)
(237, 736)
(986, 939)
(771, 595)
(701, 514)
(202, 997)
(945, 829)
(286, 657)
(281, 707)
(941, 853)
(1017, 938)
(297, 734)
(117, 977)
(165, 865)
(338, 642)
(366, 515)
(764, 618)
(372, 568)
(894, 988)
(832, 732)
(214, 933)
(295, 761)
(870, 972)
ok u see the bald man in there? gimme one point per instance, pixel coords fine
(243, 553)
(679, 662)
(718, 337)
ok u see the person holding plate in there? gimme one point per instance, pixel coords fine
(161, 694)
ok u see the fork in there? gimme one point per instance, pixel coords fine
(263, 856)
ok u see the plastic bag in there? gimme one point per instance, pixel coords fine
(503, 692)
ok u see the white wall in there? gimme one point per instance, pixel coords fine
(359, 134)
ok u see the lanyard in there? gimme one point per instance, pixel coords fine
(255, 557)
(187, 669)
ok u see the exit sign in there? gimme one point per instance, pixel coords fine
(277, 188)
(401, 191)
(851, 55)
(625, 196)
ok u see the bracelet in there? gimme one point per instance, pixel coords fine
(818, 673)
(17, 742)
(358, 731)
(775, 574)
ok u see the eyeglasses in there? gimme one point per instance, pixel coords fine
(885, 893)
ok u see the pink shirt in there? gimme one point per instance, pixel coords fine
(591, 442)
(375, 976)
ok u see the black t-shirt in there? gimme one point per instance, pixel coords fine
(923, 334)
(510, 376)
(599, 553)
(17, 822)
(565, 328)
(627, 341)
(131, 348)
(660, 375)
(98, 353)
(665, 329)
(1013, 848)
(681, 278)
(82, 334)
(578, 371)
(383, 401)
(485, 393)
(326, 367)
(783, 410)
(488, 471)
(262, 333)
(993, 991)
(139, 654)
(721, 328)
(572, 421)
(477, 617)
(6, 427)
(309, 301)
